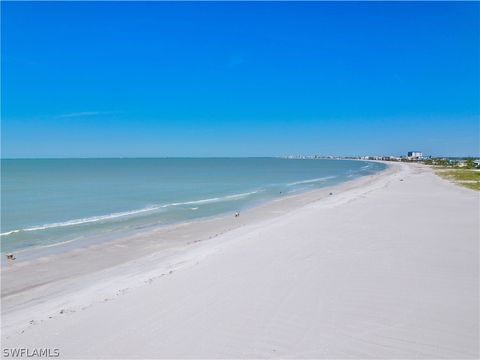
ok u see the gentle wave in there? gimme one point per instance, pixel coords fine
(213, 200)
(83, 220)
(129, 213)
(312, 180)
(10, 232)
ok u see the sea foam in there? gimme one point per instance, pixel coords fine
(112, 216)
(312, 180)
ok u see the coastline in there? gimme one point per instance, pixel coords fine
(43, 298)
(165, 242)
(115, 211)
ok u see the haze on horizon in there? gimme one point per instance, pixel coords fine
(157, 79)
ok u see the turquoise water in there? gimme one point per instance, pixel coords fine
(46, 202)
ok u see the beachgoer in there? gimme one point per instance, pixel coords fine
(10, 257)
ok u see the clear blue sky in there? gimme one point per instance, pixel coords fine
(239, 79)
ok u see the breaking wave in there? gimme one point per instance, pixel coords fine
(312, 180)
(117, 215)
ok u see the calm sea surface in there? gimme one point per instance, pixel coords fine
(48, 202)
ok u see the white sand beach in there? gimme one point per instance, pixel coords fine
(386, 267)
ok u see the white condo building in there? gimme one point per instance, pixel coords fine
(414, 154)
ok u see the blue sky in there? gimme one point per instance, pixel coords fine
(239, 79)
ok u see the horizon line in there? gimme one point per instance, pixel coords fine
(210, 157)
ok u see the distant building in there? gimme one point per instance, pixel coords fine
(395, 158)
(414, 154)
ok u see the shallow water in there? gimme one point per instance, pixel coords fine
(51, 201)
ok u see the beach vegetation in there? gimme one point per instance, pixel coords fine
(469, 178)
(463, 163)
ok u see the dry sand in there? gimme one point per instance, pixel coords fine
(381, 269)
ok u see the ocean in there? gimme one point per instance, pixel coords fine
(46, 202)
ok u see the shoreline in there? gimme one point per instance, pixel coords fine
(164, 242)
(37, 252)
(86, 240)
(364, 273)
